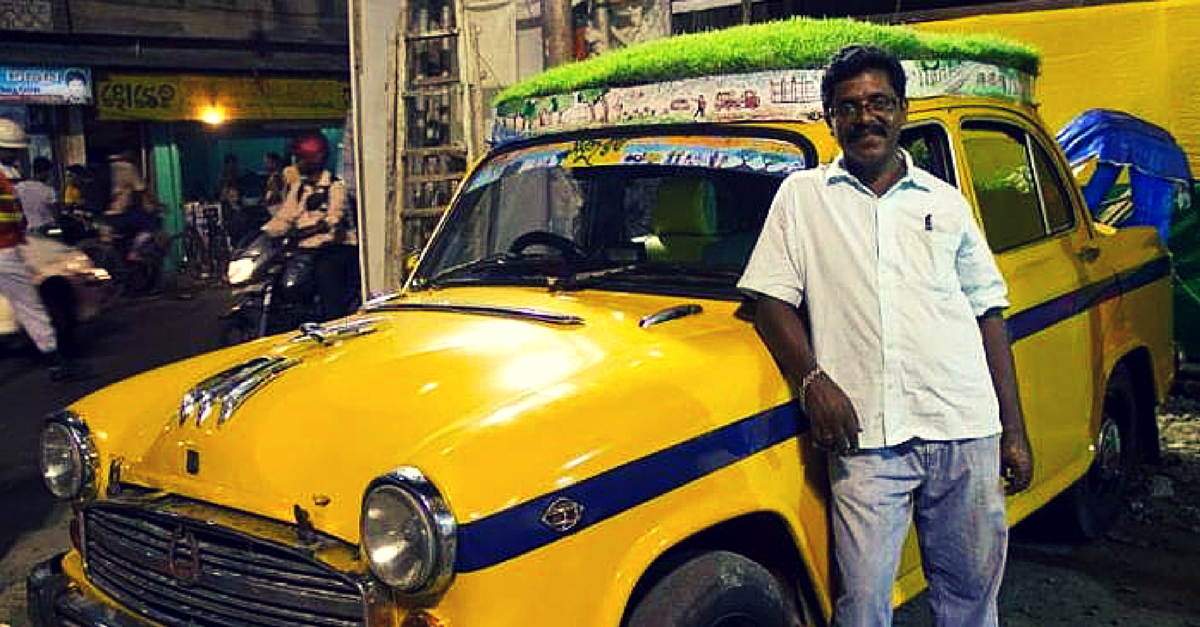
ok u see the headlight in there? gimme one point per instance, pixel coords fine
(68, 458)
(408, 533)
(240, 270)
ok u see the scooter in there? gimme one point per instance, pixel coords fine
(274, 289)
(133, 258)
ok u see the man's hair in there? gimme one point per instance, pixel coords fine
(76, 75)
(854, 60)
(274, 156)
(42, 164)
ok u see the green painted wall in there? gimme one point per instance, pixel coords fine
(167, 184)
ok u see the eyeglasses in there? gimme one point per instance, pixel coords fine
(876, 105)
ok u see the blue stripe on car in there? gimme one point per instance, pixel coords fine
(512, 532)
(1051, 312)
(518, 530)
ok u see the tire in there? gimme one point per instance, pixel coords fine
(714, 589)
(237, 330)
(1095, 502)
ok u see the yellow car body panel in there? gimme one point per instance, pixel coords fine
(502, 413)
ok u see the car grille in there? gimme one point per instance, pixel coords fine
(192, 574)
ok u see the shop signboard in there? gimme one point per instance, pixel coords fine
(45, 85)
(217, 99)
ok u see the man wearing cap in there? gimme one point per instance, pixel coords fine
(16, 283)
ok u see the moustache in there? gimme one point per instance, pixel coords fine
(859, 132)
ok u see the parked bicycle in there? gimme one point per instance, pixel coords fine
(206, 244)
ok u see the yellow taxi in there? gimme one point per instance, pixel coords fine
(566, 416)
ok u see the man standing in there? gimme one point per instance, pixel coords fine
(907, 379)
(16, 284)
(37, 196)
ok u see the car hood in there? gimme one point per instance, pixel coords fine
(493, 400)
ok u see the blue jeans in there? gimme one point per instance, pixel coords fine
(952, 491)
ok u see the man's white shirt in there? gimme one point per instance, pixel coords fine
(893, 286)
(36, 200)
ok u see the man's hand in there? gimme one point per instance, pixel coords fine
(1016, 462)
(834, 422)
(1016, 458)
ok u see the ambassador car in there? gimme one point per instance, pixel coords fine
(566, 416)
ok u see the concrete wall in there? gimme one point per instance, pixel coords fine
(1140, 58)
(374, 25)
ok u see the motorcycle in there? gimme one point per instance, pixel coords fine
(274, 289)
(134, 257)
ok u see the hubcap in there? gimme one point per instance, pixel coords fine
(1108, 457)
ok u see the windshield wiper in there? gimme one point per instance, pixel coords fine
(652, 270)
(489, 263)
(501, 266)
(580, 280)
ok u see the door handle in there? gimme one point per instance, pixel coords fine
(1089, 253)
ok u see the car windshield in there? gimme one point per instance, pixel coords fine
(673, 213)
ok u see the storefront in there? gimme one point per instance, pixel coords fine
(186, 126)
(49, 103)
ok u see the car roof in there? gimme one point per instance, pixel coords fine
(760, 73)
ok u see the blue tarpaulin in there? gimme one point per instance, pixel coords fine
(1158, 167)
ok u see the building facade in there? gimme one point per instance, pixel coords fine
(185, 85)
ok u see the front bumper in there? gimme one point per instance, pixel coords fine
(53, 600)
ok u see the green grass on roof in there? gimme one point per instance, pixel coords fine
(790, 44)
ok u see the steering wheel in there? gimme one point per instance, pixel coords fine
(571, 251)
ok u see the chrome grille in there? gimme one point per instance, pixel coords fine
(191, 574)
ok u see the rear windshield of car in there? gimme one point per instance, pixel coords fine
(649, 213)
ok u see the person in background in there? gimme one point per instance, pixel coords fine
(73, 186)
(274, 187)
(37, 196)
(130, 209)
(127, 186)
(16, 281)
(230, 193)
(315, 207)
(908, 380)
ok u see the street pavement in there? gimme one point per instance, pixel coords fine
(134, 336)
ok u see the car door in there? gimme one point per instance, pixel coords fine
(1047, 252)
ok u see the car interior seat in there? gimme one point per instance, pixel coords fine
(683, 221)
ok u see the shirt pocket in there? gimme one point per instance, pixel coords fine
(930, 256)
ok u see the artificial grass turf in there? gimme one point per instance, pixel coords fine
(789, 44)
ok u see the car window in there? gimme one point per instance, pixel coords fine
(930, 149)
(1059, 214)
(1005, 189)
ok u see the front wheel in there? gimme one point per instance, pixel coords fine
(714, 589)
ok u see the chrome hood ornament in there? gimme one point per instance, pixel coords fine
(325, 334)
(227, 390)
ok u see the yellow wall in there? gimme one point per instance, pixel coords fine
(1142, 58)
